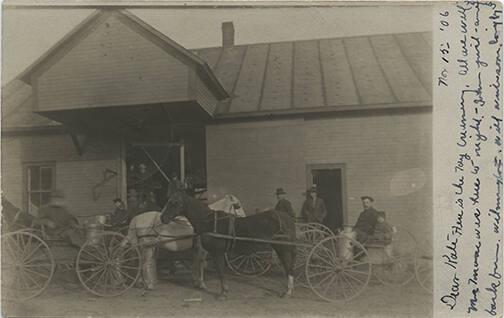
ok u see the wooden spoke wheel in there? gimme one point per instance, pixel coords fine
(301, 227)
(397, 266)
(27, 265)
(307, 239)
(337, 269)
(424, 272)
(108, 265)
(250, 263)
(321, 227)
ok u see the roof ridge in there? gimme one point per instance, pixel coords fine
(314, 39)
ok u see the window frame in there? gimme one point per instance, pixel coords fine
(27, 184)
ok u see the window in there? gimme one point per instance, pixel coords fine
(40, 184)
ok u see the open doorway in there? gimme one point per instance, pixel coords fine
(149, 167)
(330, 187)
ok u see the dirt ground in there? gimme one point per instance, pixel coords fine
(249, 297)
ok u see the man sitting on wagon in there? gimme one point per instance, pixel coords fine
(119, 218)
(366, 223)
(59, 222)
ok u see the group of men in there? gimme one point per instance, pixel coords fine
(314, 211)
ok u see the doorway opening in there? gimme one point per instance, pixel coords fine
(149, 169)
(152, 164)
(328, 180)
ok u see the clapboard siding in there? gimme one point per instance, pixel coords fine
(387, 157)
(204, 97)
(75, 175)
(250, 160)
(114, 65)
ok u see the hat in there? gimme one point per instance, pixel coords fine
(367, 197)
(280, 191)
(58, 194)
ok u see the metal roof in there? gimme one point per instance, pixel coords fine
(392, 70)
(287, 78)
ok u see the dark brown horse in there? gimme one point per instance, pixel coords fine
(266, 225)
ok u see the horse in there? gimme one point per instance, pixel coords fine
(265, 225)
(148, 230)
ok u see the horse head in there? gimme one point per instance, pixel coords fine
(175, 206)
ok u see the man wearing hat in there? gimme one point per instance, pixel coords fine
(366, 223)
(283, 204)
(59, 222)
(314, 209)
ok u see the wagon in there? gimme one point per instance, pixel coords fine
(106, 264)
(336, 267)
(256, 260)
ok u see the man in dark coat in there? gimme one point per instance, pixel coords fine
(59, 222)
(283, 204)
(314, 209)
(119, 217)
(366, 223)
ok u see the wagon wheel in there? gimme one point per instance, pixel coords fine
(337, 269)
(301, 227)
(322, 227)
(398, 266)
(27, 265)
(423, 271)
(251, 264)
(108, 265)
(307, 239)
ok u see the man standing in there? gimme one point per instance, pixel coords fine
(119, 217)
(283, 204)
(59, 222)
(314, 209)
(366, 223)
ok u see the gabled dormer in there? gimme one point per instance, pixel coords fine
(114, 70)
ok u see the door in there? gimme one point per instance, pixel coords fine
(330, 187)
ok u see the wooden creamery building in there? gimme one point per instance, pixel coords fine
(351, 115)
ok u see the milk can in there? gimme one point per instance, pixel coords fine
(93, 232)
(346, 246)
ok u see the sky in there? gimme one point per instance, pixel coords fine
(28, 32)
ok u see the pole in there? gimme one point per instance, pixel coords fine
(182, 162)
(156, 164)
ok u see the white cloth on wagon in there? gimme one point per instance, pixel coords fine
(229, 204)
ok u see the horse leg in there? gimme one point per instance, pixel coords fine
(199, 264)
(287, 256)
(219, 261)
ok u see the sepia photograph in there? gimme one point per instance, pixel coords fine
(224, 160)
